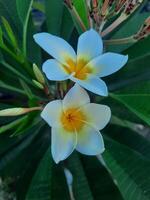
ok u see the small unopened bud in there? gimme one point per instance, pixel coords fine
(39, 85)
(144, 30)
(17, 111)
(38, 74)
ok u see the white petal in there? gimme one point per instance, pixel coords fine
(98, 115)
(90, 45)
(55, 46)
(54, 70)
(52, 112)
(63, 143)
(107, 63)
(89, 141)
(93, 84)
(75, 97)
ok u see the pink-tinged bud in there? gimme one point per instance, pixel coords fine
(144, 30)
(17, 111)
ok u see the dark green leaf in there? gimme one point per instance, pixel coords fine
(128, 169)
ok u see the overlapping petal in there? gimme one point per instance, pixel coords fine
(54, 70)
(107, 64)
(93, 84)
(90, 45)
(51, 113)
(63, 143)
(89, 141)
(56, 47)
(97, 115)
(75, 97)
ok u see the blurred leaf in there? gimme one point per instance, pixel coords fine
(54, 20)
(40, 187)
(128, 169)
(39, 6)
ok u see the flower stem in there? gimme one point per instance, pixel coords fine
(78, 19)
(120, 41)
(116, 23)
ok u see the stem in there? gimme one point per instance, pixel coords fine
(88, 8)
(77, 17)
(120, 41)
(116, 23)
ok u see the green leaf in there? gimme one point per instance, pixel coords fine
(137, 104)
(80, 183)
(26, 88)
(136, 140)
(12, 125)
(129, 28)
(24, 9)
(141, 48)
(10, 33)
(40, 187)
(99, 180)
(67, 25)
(128, 169)
(129, 73)
(39, 6)
(54, 20)
(11, 88)
(81, 8)
(9, 11)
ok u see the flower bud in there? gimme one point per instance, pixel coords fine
(17, 111)
(39, 85)
(38, 74)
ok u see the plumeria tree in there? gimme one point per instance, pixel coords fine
(74, 105)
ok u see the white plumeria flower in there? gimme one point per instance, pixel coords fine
(87, 67)
(75, 124)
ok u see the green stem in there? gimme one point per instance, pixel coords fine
(120, 41)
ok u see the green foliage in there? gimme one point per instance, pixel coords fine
(122, 172)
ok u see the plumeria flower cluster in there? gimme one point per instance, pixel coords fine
(74, 120)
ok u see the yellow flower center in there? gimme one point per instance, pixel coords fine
(72, 119)
(78, 68)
